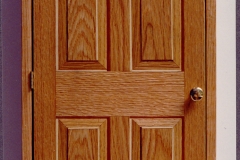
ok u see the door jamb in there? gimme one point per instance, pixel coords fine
(27, 127)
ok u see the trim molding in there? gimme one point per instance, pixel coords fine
(27, 68)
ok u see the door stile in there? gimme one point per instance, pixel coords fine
(44, 86)
(194, 58)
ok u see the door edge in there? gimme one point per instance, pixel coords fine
(211, 78)
(26, 80)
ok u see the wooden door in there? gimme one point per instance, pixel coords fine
(112, 79)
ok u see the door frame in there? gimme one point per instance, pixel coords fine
(27, 120)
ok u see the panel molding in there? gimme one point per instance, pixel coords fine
(170, 59)
(83, 133)
(163, 134)
(67, 58)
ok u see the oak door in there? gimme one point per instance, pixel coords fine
(112, 79)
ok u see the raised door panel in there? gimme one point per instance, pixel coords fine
(156, 34)
(82, 34)
(81, 139)
(156, 138)
(148, 37)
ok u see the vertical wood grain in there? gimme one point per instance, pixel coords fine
(82, 138)
(156, 138)
(211, 78)
(194, 66)
(119, 141)
(156, 35)
(82, 35)
(83, 144)
(62, 141)
(156, 30)
(44, 79)
(156, 144)
(82, 29)
(26, 69)
(119, 47)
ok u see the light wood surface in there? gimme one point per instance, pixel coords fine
(44, 79)
(82, 29)
(119, 27)
(194, 69)
(156, 138)
(156, 30)
(211, 78)
(26, 90)
(82, 42)
(83, 144)
(82, 139)
(118, 128)
(119, 94)
(156, 35)
(119, 138)
(62, 143)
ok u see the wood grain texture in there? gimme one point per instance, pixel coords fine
(119, 94)
(156, 144)
(119, 142)
(82, 29)
(119, 48)
(82, 139)
(194, 66)
(156, 35)
(156, 30)
(82, 42)
(156, 138)
(44, 79)
(26, 69)
(211, 78)
(83, 144)
(62, 143)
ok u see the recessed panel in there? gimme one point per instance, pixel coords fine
(83, 144)
(156, 24)
(156, 143)
(82, 31)
(156, 34)
(82, 36)
(82, 139)
(156, 138)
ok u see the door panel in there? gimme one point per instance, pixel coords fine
(156, 34)
(82, 139)
(114, 76)
(156, 138)
(82, 34)
(119, 94)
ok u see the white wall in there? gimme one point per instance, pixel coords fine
(226, 80)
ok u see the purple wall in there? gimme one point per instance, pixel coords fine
(11, 80)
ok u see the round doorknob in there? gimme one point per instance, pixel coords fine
(196, 94)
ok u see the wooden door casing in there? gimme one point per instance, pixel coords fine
(44, 113)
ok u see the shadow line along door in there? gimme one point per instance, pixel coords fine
(112, 79)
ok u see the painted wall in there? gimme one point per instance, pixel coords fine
(226, 80)
(11, 80)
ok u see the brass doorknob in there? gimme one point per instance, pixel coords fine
(196, 94)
